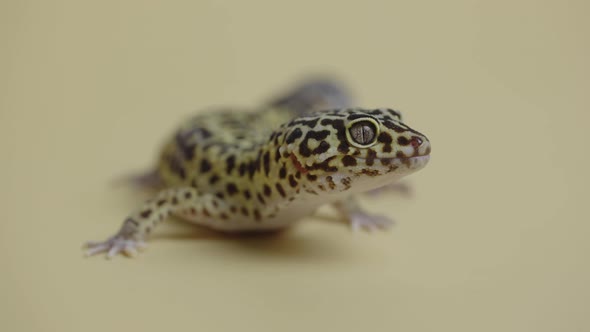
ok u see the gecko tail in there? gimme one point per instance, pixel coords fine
(314, 94)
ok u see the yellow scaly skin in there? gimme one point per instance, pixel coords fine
(255, 171)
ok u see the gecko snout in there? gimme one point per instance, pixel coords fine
(421, 145)
(415, 145)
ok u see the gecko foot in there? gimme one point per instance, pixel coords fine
(362, 220)
(114, 245)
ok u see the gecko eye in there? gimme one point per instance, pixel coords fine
(362, 132)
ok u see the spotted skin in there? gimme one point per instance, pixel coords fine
(239, 171)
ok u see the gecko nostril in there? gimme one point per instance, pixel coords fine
(416, 141)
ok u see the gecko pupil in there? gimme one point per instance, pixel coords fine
(363, 132)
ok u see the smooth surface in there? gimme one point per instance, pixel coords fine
(496, 237)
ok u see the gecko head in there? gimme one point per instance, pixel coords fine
(354, 149)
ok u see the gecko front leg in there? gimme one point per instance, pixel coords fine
(358, 218)
(138, 225)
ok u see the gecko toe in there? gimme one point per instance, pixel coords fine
(369, 222)
(115, 245)
(96, 248)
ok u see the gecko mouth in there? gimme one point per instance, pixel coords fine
(416, 155)
(416, 160)
(423, 157)
(413, 162)
(410, 162)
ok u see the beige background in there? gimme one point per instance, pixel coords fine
(496, 237)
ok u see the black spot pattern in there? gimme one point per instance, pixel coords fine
(386, 139)
(266, 162)
(213, 179)
(243, 168)
(175, 165)
(280, 189)
(230, 163)
(292, 182)
(267, 190)
(205, 166)
(247, 194)
(283, 172)
(348, 161)
(371, 155)
(340, 128)
(232, 189)
(295, 134)
(317, 135)
(187, 149)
